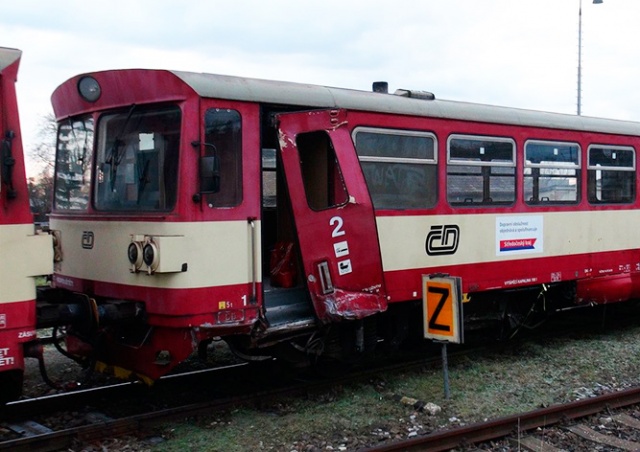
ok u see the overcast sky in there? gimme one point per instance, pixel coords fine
(520, 53)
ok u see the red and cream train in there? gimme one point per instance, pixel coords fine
(296, 221)
(23, 253)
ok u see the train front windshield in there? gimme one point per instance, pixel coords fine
(136, 163)
(137, 159)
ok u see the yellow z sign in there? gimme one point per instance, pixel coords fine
(442, 306)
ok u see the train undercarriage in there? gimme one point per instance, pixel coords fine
(113, 336)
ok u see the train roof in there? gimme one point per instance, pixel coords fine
(8, 57)
(316, 96)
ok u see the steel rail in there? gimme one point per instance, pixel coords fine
(74, 398)
(134, 423)
(514, 424)
(436, 441)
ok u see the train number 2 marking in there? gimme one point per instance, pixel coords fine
(338, 222)
(341, 249)
(444, 296)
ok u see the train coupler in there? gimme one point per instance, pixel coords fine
(57, 307)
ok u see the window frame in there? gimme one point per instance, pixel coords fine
(591, 169)
(566, 165)
(323, 181)
(168, 157)
(84, 190)
(227, 196)
(452, 163)
(433, 161)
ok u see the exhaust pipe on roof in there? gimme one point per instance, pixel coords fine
(380, 87)
(383, 87)
(415, 94)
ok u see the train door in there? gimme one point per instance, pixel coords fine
(333, 215)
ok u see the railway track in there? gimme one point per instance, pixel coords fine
(18, 416)
(136, 391)
(518, 427)
(104, 427)
(204, 400)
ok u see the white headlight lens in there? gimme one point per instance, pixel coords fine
(89, 89)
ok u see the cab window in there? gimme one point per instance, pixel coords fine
(137, 159)
(223, 143)
(73, 164)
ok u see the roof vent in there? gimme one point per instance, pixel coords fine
(415, 94)
(380, 87)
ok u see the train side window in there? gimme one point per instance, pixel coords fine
(223, 138)
(611, 175)
(551, 172)
(323, 182)
(399, 167)
(480, 171)
(73, 164)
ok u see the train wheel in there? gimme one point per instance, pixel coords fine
(239, 347)
(11, 383)
(518, 316)
(345, 345)
(293, 353)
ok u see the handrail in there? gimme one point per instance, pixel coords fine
(254, 264)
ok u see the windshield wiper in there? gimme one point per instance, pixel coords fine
(115, 156)
(142, 179)
(80, 155)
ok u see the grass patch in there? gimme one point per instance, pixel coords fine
(521, 377)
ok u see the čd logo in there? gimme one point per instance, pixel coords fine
(442, 239)
(87, 240)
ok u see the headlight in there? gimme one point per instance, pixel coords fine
(150, 256)
(89, 89)
(134, 253)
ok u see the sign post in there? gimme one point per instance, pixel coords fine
(442, 315)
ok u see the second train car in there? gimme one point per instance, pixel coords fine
(296, 221)
(24, 254)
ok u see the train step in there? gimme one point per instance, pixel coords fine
(286, 306)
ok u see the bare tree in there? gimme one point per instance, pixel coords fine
(41, 186)
(44, 152)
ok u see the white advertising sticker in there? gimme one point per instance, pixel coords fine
(519, 235)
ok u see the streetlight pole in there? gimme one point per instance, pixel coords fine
(595, 2)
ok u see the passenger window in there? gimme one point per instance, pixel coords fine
(551, 172)
(399, 167)
(611, 175)
(323, 182)
(223, 140)
(480, 171)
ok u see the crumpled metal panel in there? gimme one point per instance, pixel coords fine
(347, 305)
